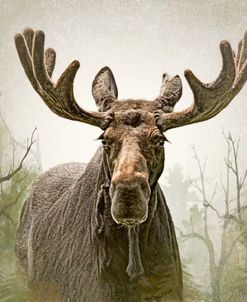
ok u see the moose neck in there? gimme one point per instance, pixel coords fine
(105, 224)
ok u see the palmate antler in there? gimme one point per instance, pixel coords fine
(210, 99)
(58, 96)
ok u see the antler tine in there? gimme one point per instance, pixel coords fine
(238, 53)
(24, 46)
(39, 65)
(210, 99)
(26, 60)
(50, 60)
(243, 53)
(220, 85)
(38, 60)
(241, 65)
(29, 35)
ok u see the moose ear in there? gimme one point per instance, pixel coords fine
(170, 92)
(104, 89)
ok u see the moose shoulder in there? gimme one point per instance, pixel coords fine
(103, 232)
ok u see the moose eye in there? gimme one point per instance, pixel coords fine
(104, 142)
(159, 140)
(161, 143)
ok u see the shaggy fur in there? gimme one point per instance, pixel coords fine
(100, 232)
(75, 245)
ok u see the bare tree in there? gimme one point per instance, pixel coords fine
(36, 154)
(13, 170)
(216, 266)
(237, 216)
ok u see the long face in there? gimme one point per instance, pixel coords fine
(134, 150)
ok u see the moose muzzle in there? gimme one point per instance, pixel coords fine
(130, 191)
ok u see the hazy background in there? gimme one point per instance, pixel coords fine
(139, 41)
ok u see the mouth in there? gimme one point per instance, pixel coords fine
(130, 221)
(129, 210)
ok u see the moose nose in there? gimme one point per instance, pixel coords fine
(130, 200)
(137, 181)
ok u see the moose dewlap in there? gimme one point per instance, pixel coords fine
(103, 232)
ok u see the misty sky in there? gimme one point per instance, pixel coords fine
(139, 41)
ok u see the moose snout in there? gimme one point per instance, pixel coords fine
(130, 197)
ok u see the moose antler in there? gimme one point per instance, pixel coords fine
(59, 97)
(210, 99)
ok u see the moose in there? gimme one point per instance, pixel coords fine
(103, 231)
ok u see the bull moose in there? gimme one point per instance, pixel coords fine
(103, 231)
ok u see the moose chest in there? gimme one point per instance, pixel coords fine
(160, 279)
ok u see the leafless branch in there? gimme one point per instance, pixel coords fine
(16, 142)
(194, 235)
(194, 184)
(15, 171)
(230, 166)
(215, 210)
(226, 193)
(202, 188)
(242, 180)
(213, 194)
(239, 183)
(13, 202)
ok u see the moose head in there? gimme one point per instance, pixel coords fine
(133, 130)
